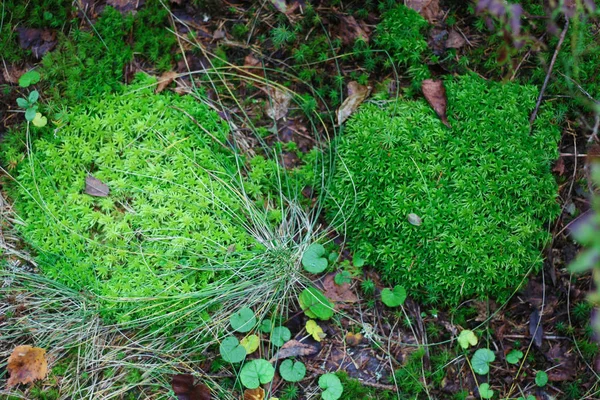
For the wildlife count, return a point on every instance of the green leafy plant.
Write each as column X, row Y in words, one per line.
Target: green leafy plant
column 481, row 361
column 243, row 320
column 367, row 286
column 332, row 387
column 256, row 372
column 29, row 105
column 29, row 78
column 231, row 350
column 342, row 278
column 467, row 338
column 541, row 378
column 393, row 297
column 314, row 304
column 292, row 371
column 485, row 392
column 514, row 356
column 280, row 335
column 314, row 259
column 478, row 187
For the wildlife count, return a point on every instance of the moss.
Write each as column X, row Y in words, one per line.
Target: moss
column 483, row 190
column 167, row 214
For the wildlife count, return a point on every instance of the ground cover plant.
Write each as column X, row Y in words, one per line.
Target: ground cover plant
column 164, row 236
column 482, row 190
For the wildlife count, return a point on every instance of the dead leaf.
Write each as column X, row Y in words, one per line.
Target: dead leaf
column 357, row 93
column 338, row 293
column 435, row 94
column 26, row 364
column 254, row 394
column 350, row 30
column 125, row 6
column 277, row 108
column 184, row 388
column 535, row 327
column 559, row 166
column 293, row 348
column 253, row 65
column 39, row 41
column 165, row 80
column 429, row 9
column 95, row 187
column 283, row 7
column 455, row 40
column 353, row 339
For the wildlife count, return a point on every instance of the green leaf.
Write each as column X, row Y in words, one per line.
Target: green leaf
column 29, row 78
column 467, row 338
column 514, row 356
column 315, row 304
column 481, row 361
column 39, row 120
column 313, row 259
column 243, row 320
column 333, row 256
column 23, row 103
column 256, row 373
column 30, row 113
column 250, row 343
column 393, row 298
column 280, row 335
column 541, row 378
column 292, row 371
column 358, row 260
column 332, row 387
column 265, row 325
column 342, row 277
column 585, row 261
column 33, row 96
column 231, row 350
column 485, row 392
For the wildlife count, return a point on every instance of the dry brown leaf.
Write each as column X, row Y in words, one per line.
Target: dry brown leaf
column 26, row 364
column 455, row 40
column 353, row 339
column 338, row 293
column 357, row 93
column 283, row 7
column 295, row 348
column 435, row 94
column 165, row 80
column 277, row 107
column 95, row 187
column 253, row 65
column 429, row 9
column 254, row 394
column 350, row 30
column 125, row 6
column 184, row 388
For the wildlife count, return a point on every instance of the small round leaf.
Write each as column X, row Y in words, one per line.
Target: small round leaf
column 250, row 343
column 393, row 298
column 332, row 387
column 29, row 78
column 414, row 219
column 481, row 361
column 315, row 304
column 280, row 335
column 243, row 320
column 292, row 371
column 231, row 350
column 265, row 326
column 342, row 278
column 30, row 113
column 485, row 392
column 314, row 260
column 39, row 120
column 541, row 378
column 256, row 373
column 466, row 338
column 514, row 356
column 358, row 260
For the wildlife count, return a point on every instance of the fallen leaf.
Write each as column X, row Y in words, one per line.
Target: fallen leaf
column 350, row 30
column 357, row 93
column 253, row 65
column 353, row 339
column 559, row 166
column 293, row 348
column 165, row 80
column 455, row 40
column 535, row 327
column 277, row 107
column 338, row 293
column 40, row 121
column 435, row 94
column 250, row 343
column 429, row 9
column 283, row 7
column 125, row 6
column 254, row 394
column 184, row 388
column 315, row 330
column 95, row 187
column 39, row 41
column 414, row 219
column 26, row 364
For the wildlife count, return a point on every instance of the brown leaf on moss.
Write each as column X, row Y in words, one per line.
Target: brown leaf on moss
column 184, row 388
column 95, row 187
column 254, row 394
column 429, row 9
column 252, row 65
column 351, row 30
column 165, row 80
column 279, row 102
column 455, row 40
column 435, row 94
column 26, row 364
column 357, row 93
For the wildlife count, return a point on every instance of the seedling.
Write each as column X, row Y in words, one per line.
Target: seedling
column 485, row 392
column 332, row 387
column 243, row 321
column 342, row 278
column 29, row 78
column 393, row 298
column 256, row 373
column 541, row 378
column 481, row 361
column 514, row 356
column 292, row 371
column 29, row 105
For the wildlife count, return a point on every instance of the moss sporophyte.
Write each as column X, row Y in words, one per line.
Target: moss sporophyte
column 482, row 190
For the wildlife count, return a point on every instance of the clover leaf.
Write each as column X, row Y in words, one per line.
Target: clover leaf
column 29, row 78
column 231, row 350
column 256, row 373
column 393, row 298
column 292, row 371
column 313, row 259
column 481, row 361
column 280, row 335
column 541, row 378
column 485, row 392
column 332, row 387
column 315, row 304
column 514, row 356
column 243, row 320
column 466, row 338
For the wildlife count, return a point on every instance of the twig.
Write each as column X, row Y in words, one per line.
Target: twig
column 558, row 46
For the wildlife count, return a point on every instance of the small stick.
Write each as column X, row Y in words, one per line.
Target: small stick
column 558, row 46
